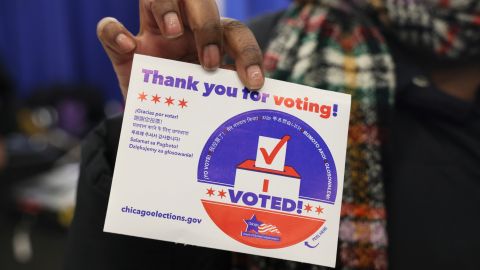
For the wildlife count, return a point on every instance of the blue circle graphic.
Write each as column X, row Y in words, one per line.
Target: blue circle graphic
column 237, row 139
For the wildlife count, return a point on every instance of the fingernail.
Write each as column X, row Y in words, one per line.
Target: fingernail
column 255, row 77
column 172, row 25
column 125, row 42
column 211, row 57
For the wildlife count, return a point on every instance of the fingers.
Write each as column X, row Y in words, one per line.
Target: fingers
column 168, row 18
column 120, row 45
column 242, row 46
column 115, row 38
column 166, row 14
column 204, row 21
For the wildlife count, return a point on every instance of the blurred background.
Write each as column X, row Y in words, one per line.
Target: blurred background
column 56, row 84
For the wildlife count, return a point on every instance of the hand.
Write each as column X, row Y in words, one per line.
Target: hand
column 184, row 30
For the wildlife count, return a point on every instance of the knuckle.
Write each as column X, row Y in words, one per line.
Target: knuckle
column 251, row 54
column 161, row 7
column 156, row 7
column 209, row 26
column 231, row 24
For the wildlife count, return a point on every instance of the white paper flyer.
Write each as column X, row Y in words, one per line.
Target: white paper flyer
column 206, row 162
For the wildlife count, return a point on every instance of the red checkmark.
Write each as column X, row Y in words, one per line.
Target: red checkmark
column 270, row 157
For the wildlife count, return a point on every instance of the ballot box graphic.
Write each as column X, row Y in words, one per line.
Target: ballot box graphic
column 260, row 177
column 264, row 177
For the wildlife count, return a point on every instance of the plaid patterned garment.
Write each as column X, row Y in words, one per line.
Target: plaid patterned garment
column 333, row 45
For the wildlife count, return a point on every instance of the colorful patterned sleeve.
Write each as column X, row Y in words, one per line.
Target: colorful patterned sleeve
column 442, row 28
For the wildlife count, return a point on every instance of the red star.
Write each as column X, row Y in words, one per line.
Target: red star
column 142, row 96
column 169, row 101
column 156, row 99
column 222, row 193
column 308, row 208
column 210, row 192
column 319, row 210
column 182, row 103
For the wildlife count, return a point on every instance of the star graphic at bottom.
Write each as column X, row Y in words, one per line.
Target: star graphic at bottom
column 318, row 210
column 252, row 224
column 308, row 208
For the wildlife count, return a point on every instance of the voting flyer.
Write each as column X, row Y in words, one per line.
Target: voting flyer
column 204, row 161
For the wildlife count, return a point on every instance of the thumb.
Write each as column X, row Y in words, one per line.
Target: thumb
column 120, row 45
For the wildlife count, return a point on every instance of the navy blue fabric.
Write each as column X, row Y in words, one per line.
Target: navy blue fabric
column 54, row 41
column 245, row 10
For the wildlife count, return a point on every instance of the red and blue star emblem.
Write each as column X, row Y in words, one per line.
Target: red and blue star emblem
column 252, row 224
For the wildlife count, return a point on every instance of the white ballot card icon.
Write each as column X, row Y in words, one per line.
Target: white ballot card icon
column 271, row 153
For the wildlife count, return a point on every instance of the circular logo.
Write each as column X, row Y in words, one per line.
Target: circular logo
column 267, row 179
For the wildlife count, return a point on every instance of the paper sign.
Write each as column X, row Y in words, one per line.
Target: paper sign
column 204, row 161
